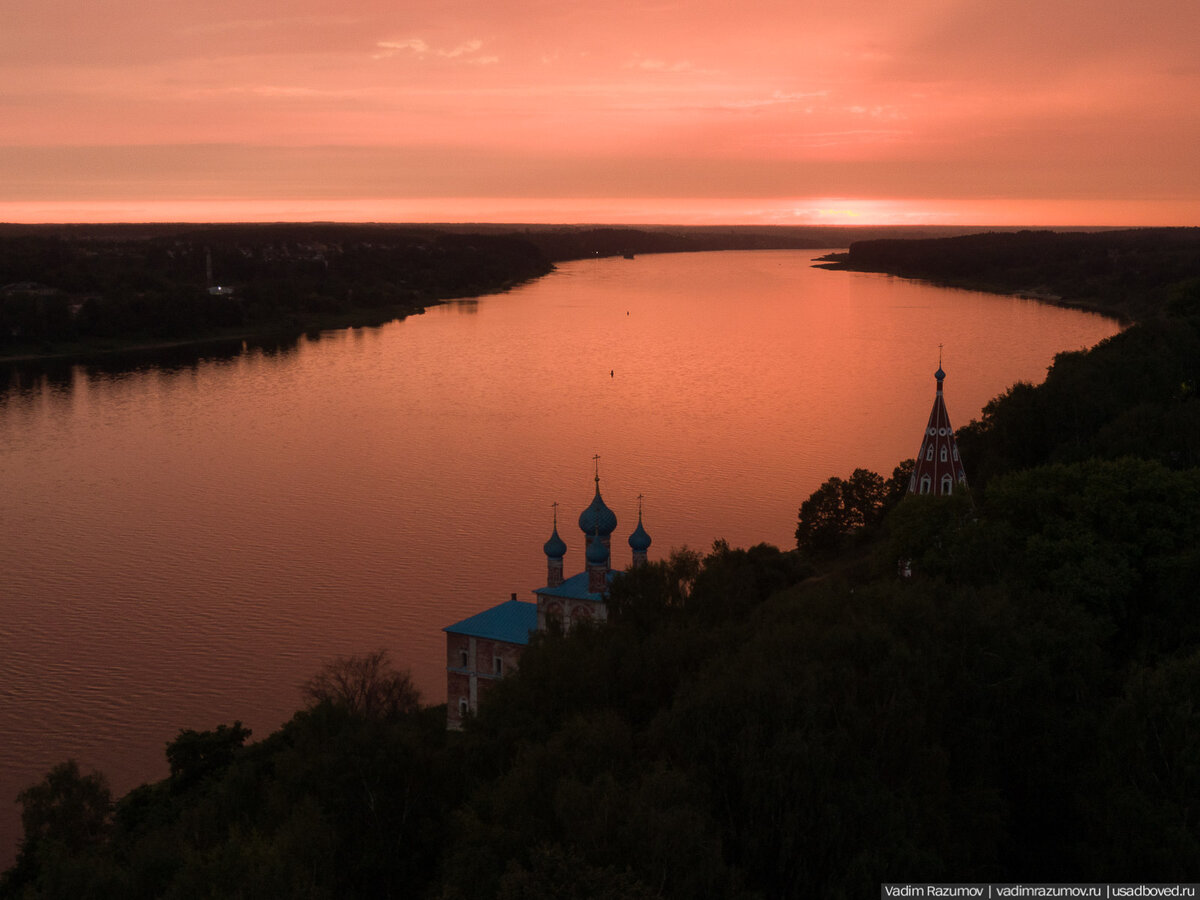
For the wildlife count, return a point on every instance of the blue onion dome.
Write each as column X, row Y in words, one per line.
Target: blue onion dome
column 597, row 553
column 939, row 374
column 639, row 541
column 598, row 518
column 555, row 547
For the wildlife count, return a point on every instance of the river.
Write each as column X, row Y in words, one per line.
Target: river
column 186, row 537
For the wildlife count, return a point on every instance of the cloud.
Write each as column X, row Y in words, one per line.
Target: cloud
column 659, row 65
column 775, row 99
column 464, row 52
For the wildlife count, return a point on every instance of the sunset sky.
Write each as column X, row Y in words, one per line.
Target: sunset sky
column 1037, row 112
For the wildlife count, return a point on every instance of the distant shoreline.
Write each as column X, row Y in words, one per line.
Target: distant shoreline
column 82, row 351
column 984, row 287
column 373, row 317
column 1128, row 275
column 101, row 294
column 554, row 244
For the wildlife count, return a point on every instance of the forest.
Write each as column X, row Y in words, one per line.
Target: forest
column 67, row 290
column 1125, row 273
column 763, row 722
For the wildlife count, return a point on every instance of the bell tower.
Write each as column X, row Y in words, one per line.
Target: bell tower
column 938, row 469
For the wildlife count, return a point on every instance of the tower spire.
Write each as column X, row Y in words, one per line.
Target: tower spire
column 938, row 469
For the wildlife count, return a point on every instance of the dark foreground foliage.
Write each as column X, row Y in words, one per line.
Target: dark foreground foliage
column 760, row 723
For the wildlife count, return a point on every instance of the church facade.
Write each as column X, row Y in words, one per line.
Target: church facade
column 485, row 647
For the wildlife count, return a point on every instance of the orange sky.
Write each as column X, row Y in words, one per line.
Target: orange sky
column 1039, row 112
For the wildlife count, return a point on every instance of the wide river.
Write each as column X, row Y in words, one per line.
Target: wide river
column 185, row 539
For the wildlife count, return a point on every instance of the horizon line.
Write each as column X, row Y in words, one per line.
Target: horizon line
column 461, row 223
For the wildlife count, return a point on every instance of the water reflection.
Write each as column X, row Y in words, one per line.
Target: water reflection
column 20, row 378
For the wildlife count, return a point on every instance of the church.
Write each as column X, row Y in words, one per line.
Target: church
column 485, row 647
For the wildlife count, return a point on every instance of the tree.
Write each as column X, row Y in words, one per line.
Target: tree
column 66, row 817
column 841, row 508
column 649, row 593
column 364, row 685
column 196, row 754
column 66, row 806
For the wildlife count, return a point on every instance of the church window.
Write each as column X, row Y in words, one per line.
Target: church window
column 462, row 659
column 464, row 707
column 925, row 484
column 943, row 454
column 929, row 452
column 499, row 665
column 956, row 454
column 947, row 484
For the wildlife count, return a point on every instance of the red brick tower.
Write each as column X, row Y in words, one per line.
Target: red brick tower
column 938, row 469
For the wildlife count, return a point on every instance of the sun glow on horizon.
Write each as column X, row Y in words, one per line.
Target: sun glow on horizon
column 617, row 211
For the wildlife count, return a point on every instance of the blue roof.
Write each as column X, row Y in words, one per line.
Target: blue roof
column 598, row 518
column 556, row 546
column 511, row 621
column 639, row 540
column 576, row 587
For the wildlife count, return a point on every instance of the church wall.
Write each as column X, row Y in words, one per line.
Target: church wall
column 486, row 653
column 472, row 681
column 458, row 687
column 459, row 676
column 456, row 645
column 568, row 611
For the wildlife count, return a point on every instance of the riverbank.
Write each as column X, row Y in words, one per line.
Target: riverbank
column 1039, row 295
column 108, row 347
column 1131, row 275
column 99, row 295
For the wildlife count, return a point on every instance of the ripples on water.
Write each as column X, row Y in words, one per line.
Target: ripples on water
column 183, row 541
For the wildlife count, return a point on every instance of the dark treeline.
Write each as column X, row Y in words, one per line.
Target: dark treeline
column 564, row 243
column 760, row 722
column 1127, row 273
column 59, row 286
column 70, row 289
